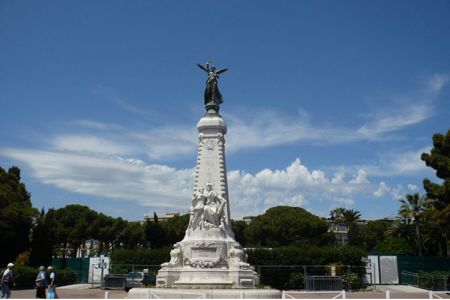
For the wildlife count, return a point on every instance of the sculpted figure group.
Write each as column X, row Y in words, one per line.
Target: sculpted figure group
column 207, row 209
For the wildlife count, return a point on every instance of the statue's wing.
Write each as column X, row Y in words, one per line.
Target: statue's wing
column 221, row 71
column 203, row 68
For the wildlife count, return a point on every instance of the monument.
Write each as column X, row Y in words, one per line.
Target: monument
column 208, row 258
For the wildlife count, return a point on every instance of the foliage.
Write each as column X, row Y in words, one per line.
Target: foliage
column 373, row 233
column 439, row 160
column 238, row 228
column 347, row 255
column 175, row 228
column 140, row 256
column 352, row 281
column 41, row 244
column 25, row 277
column 412, row 208
column 16, row 215
column 285, row 225
column 349, row 218
column 155, row 234
column 395, row 245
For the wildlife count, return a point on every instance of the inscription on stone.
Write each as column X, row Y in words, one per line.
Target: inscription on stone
column 204, row 252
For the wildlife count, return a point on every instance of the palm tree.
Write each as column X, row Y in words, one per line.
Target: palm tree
column 412, row 209
column 337, row 214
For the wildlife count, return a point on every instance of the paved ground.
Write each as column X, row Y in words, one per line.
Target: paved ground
column 85, row 291
column 73, row 293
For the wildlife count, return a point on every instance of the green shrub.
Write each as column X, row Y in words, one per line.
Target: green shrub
column 140, row 256
column 25, row 277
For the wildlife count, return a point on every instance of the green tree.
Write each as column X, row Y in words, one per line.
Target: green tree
column 16, row 215
column 41, row 243
column 71, row 226
column 284, row 226
column 154, row 233
column 132, row 235
column 349, row 218
column 238, row 227
column 412, row 209
column 175, row 228
column 439, row 160
column 373, row 233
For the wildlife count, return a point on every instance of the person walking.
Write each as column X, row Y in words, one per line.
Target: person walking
column 41, row 283
column 7, row 281
column 51, row 293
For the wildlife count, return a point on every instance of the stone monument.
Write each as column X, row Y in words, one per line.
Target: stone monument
column 209, row 256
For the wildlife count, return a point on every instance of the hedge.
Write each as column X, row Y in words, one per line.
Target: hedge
column 25, row 277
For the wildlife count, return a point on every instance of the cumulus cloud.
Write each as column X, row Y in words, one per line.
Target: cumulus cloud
column 157, row 185
column 382, row 190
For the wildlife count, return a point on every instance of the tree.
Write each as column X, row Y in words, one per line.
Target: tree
column 175, row 228
column 154, row 233
column 412, row 209
column 41, row 243
column 349, row 218
column 16, row 215
column 373, row 233
column 439, row 159
column 285, row 225
column 238, row 227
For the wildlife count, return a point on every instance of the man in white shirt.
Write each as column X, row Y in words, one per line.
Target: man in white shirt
column 7, row 281
column 52, row 281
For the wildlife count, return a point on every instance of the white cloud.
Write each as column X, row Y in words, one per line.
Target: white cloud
column 111, row 177
column 90, row 143
column 413, row 188
column 162, row 186
column 382, row 190
column 395, row 118
column 436, row 82
column 398, row 162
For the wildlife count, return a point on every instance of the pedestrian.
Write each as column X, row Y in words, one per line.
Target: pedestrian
column 7, row 281
column 41, row 283
column 51, row 293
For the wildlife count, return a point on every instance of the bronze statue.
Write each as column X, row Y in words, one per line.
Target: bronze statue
column 212, row 93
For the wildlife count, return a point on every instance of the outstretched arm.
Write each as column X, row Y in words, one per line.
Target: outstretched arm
column 203, row 68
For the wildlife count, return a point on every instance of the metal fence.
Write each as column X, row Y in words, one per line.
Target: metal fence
column 323, row 283
column 284, row 277
column 426, row 281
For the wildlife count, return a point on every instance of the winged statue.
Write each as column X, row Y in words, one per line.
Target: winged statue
column 212, row 93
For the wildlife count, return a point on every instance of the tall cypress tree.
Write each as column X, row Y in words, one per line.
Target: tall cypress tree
column 439, row 159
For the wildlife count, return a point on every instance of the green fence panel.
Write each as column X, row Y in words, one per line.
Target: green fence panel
column 423, row 263
column 79, row 265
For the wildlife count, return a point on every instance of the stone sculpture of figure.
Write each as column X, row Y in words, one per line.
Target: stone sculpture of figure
column 237, row 257
column 214, row 207
column 198, row 204
column 212, row 93
column 175, row 257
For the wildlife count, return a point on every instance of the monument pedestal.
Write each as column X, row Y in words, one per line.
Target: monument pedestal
column 167, row 293
column 209, row 256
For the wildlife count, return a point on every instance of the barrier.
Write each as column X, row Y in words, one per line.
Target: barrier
column 323, row 283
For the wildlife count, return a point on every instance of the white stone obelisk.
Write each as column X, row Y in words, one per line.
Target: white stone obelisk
column 209, row 256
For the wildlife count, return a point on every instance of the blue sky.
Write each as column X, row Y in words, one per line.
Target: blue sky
column 328, row 103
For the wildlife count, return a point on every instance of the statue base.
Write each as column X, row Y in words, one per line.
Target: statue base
column 167, row 293
column 207, row 259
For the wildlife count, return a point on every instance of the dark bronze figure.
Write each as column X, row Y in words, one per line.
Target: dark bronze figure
column 212, row 94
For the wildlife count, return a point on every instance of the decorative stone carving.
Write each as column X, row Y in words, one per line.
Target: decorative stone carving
column 175, row 257
column 238, row 258
column 207, row 210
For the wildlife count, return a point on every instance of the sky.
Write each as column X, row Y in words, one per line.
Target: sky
column 327, row 103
